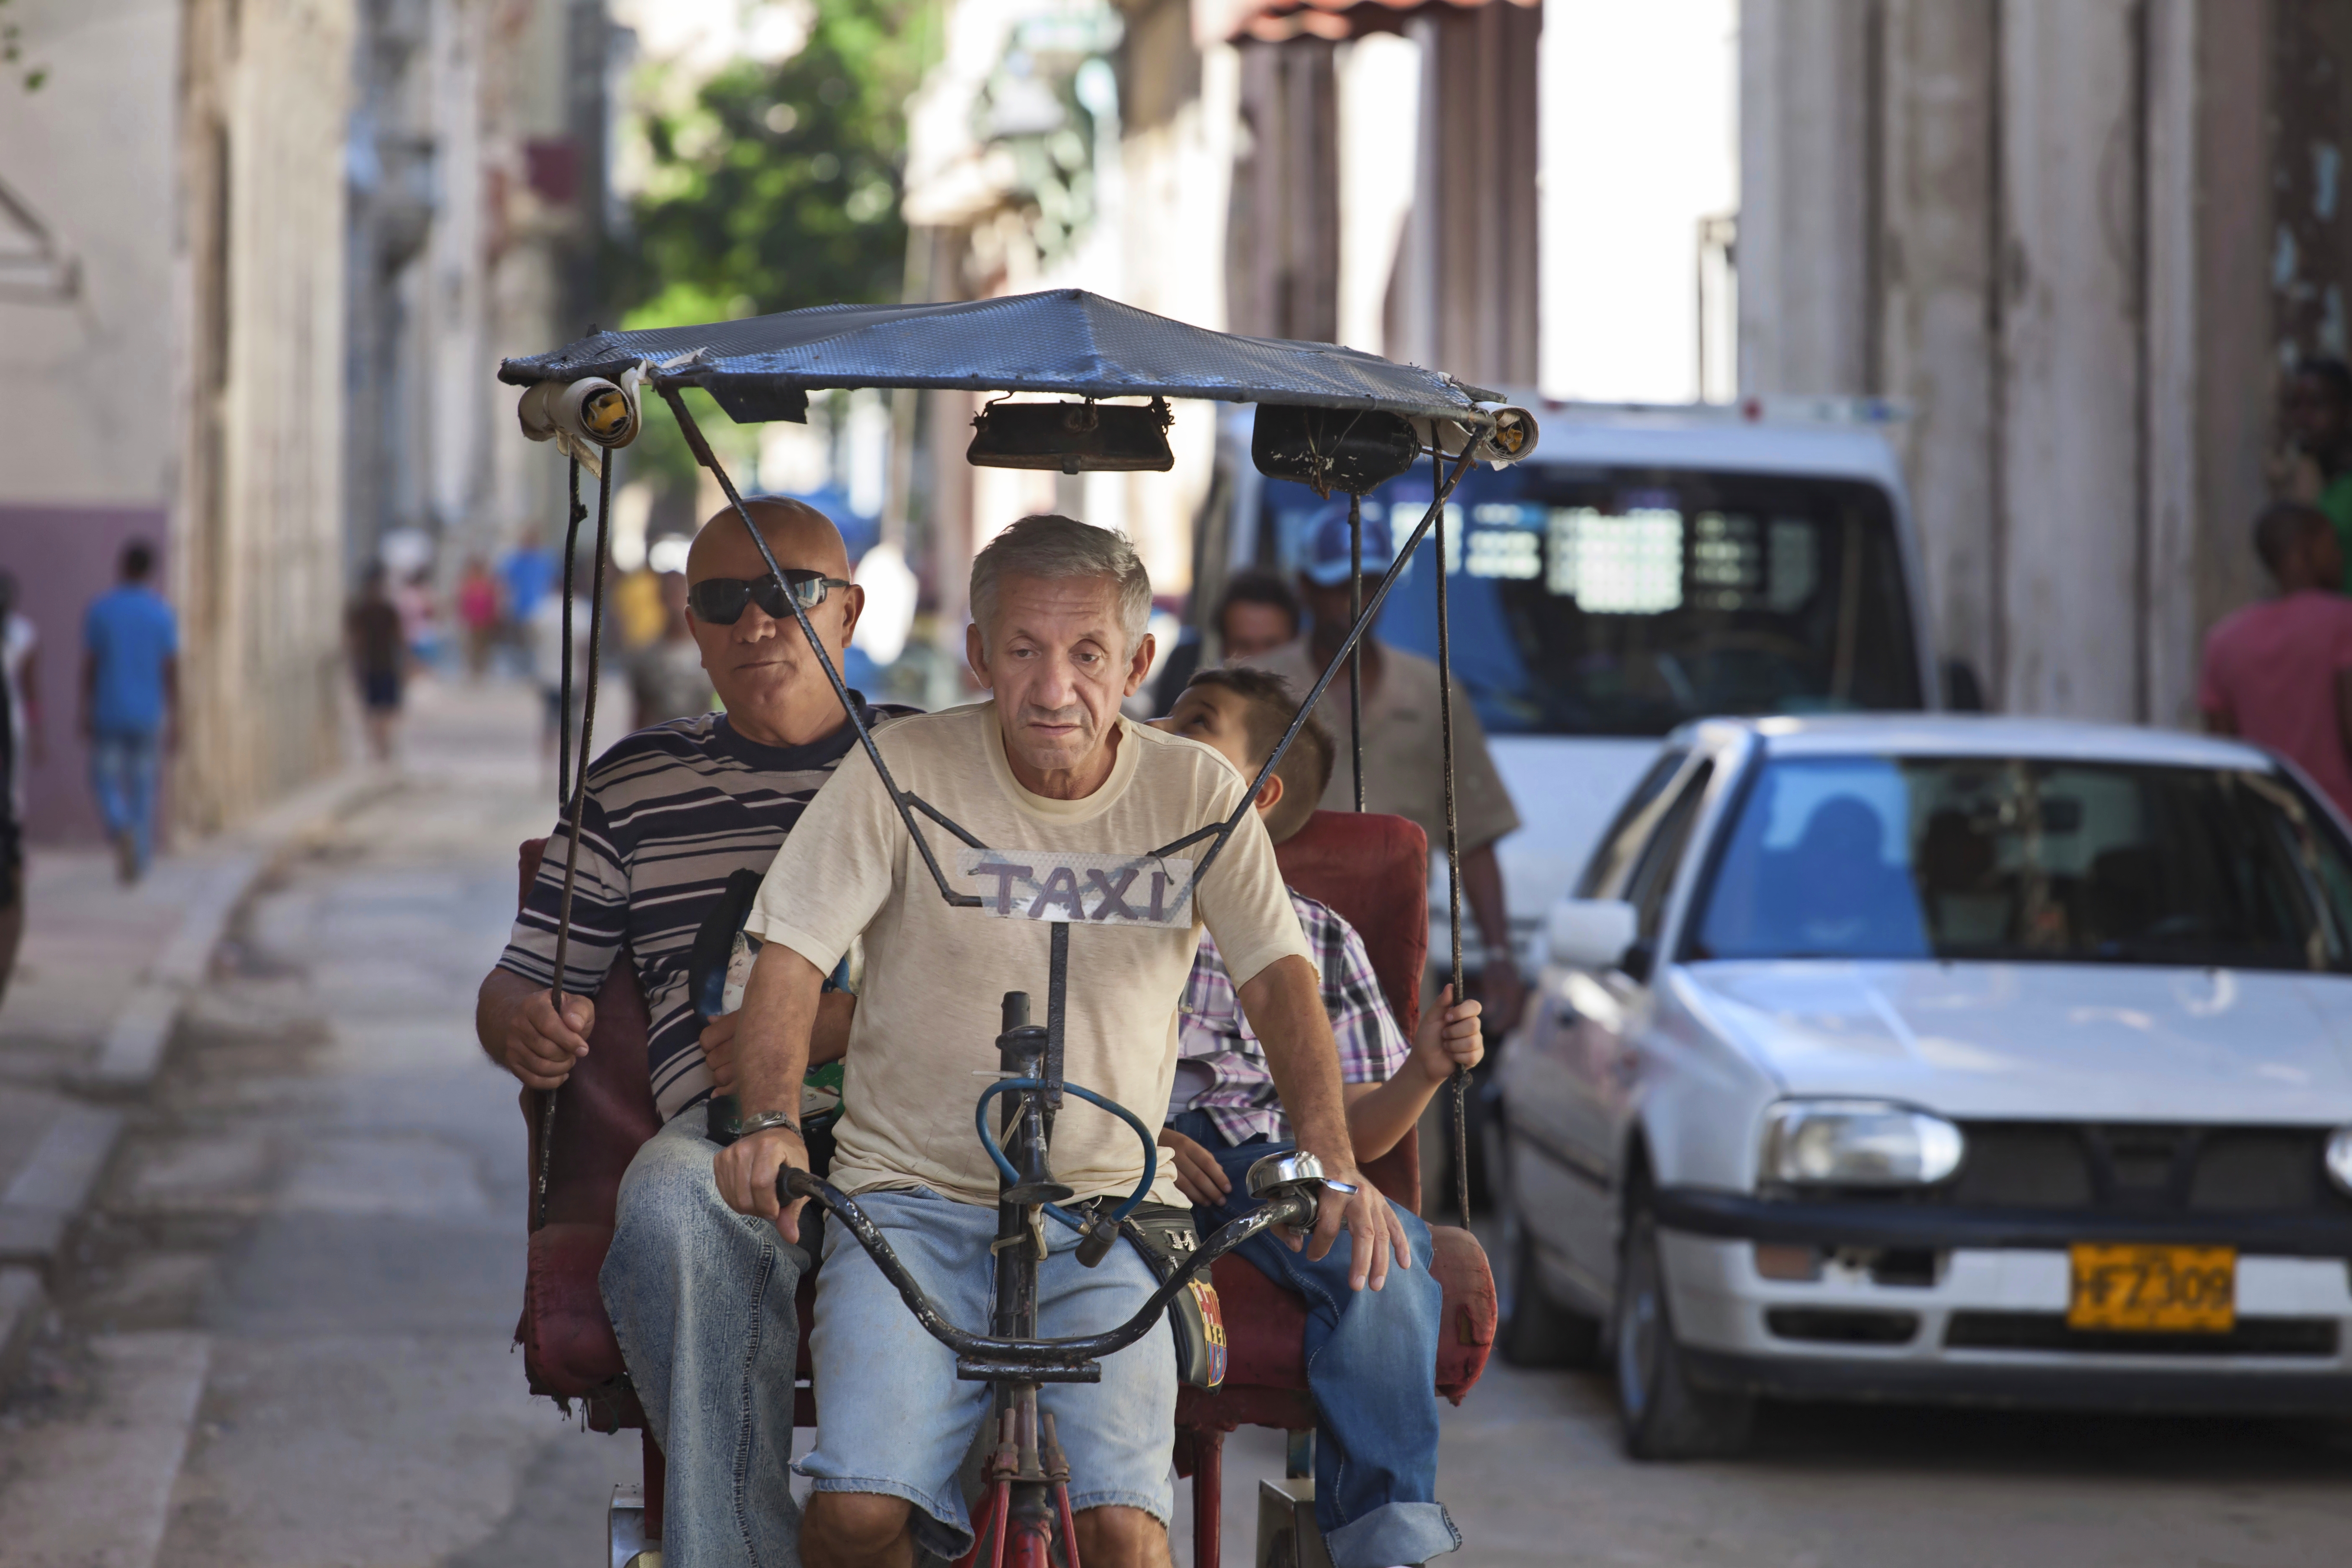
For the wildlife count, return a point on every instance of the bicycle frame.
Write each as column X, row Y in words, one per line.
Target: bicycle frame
column 1028, row 1501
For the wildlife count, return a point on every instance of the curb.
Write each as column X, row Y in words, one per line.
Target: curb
column 38, row 1207
column 41, row 1205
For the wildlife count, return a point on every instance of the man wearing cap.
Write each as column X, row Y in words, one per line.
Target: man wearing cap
column 1403, row 769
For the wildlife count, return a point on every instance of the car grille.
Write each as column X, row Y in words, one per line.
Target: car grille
column 2142, row 1169
column 2048, row 1332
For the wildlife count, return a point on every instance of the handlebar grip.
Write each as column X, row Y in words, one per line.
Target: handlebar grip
column 1294, row 1208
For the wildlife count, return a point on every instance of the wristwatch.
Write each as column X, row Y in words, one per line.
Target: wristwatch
column 760, row 1122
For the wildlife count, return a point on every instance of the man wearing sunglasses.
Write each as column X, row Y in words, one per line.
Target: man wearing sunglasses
column 671, row 812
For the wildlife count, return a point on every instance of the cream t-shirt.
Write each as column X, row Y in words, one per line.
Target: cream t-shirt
column 923, row 1042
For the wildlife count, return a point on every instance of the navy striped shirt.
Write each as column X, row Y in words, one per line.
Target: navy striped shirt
column 671, row 812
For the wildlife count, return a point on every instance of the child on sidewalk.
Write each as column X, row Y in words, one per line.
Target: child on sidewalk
column 1369, row 1353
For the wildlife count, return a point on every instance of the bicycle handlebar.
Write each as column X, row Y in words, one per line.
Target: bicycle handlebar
column 1294, row 1208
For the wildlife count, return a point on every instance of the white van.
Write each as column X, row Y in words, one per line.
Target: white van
column 1647, row 566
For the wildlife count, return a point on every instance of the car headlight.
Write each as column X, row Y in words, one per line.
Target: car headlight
column 1870, row 1143
column 2339, row 1158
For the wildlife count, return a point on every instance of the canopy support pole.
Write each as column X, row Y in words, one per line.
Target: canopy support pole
column 1356, row 658
column 1223, row 832
column 906, row 804
column 578, row 781
column 573, row 517
column 1461, row 1078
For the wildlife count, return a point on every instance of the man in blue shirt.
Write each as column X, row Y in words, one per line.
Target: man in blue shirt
column 130, row 687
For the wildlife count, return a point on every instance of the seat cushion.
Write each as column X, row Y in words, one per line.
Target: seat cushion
column 568, row 1346
column 1266, row 1328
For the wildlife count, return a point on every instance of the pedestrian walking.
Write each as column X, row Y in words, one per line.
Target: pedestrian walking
column 375, row 634
column 667, row 674
column 2279, row 672
column 478, row 614
column 20, row 672
column 129, row 695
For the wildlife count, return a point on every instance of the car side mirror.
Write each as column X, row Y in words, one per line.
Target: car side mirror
column 1593, row 933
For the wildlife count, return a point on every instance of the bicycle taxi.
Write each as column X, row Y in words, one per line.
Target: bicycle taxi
column 1335, row 418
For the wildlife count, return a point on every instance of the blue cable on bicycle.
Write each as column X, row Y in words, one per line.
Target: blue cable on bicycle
column 996, row 1150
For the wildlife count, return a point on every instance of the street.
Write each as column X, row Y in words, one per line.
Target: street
column 283, row 1338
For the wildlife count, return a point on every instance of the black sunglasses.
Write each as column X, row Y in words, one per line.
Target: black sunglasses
column 720, row 600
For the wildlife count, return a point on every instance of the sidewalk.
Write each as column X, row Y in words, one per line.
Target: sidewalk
column 99, row 986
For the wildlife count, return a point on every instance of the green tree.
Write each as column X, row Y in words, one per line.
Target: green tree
column 779, row 186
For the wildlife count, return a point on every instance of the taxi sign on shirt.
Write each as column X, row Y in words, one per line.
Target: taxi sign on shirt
column 1079, row 888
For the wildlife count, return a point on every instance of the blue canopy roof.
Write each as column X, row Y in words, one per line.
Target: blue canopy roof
column 1064, row 341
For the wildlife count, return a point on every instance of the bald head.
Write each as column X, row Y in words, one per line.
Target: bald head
column 798, row 534
column 774, row 689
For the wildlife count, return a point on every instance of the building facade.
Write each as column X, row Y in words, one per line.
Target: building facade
column 2081, row 243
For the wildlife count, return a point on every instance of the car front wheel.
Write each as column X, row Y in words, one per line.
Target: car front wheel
column 1665, row 1416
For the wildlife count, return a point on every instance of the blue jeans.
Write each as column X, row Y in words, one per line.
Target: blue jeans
column 1371, row 1363
column 123, row 766
column 701, row 1299
column 893, row 1419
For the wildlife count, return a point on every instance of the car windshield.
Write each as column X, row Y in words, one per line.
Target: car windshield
column 1592, row 601
column 2012, row 859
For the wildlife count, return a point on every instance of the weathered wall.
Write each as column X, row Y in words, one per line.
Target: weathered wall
column 88, row 449
column 2052, row 249
column 259, row 575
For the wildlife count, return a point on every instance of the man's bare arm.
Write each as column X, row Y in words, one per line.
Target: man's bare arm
column 1284, row 1004
column 772, row 1046
column 828, row 1042
column 515, row 1020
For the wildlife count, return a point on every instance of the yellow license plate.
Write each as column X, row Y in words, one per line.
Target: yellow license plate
column 2154, row 1289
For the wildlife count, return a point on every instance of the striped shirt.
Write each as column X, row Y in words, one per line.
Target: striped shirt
column 1222, row 1068
column 671, row 811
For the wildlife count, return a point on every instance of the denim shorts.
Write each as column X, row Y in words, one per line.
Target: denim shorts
column 894, row 1420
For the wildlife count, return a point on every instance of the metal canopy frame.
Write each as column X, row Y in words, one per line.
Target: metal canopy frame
column 779, row 359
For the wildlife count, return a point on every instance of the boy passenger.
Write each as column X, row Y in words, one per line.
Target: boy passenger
column 1376, row 1456
column 1047, row 766
column 671, row 811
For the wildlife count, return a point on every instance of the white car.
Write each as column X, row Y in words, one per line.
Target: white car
column 1991, row 1060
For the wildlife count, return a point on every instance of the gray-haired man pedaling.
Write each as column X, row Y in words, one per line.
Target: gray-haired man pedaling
column 1047, row 766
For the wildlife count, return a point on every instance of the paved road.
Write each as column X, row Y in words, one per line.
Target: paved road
column 287, row 1342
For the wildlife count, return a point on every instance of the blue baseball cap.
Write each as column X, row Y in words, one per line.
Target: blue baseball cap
column 1324, row 555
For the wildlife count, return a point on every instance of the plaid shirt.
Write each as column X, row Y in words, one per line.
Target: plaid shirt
column 1211, row 1034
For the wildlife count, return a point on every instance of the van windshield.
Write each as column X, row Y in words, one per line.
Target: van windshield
column 1604, row 602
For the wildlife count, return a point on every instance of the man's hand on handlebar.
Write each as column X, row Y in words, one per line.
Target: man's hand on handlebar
column 1374, row 1235
column 746, row 1170
column 540, row 1048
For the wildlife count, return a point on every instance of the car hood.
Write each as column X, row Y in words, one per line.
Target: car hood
column 2036, row 1041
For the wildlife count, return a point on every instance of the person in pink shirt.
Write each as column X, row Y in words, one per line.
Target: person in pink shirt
column 2279, row 673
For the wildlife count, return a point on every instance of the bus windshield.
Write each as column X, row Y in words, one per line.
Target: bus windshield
column 1611, row 601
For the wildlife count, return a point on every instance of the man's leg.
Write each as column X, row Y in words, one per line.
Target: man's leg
column 701, row 1299
column 107, row 788
column 1371, row 1358
column 1119, row 1434
column 143, row 755
column 896, row 1420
